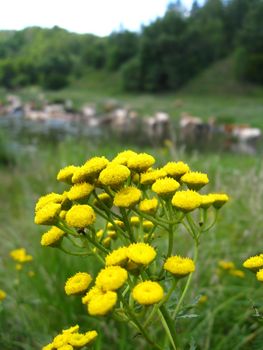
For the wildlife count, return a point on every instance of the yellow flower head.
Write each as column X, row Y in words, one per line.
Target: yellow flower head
column 147, row 225
column 112, row 234
column 65, row 174
column 117, row 257
column 148, row 293
column 237, row 273
column 80, row 216
column 66, row 347
column 111, row 278
column 2, row 295
column 141, row 253
column 165, row 187
column 140, row 162
column 62, row 214
column 48, row 215
column 207, row 200
column 219, row 199
column 107, row 241
column 48, row 347
column 135, row 221
column 93, row 292
column 90, row 170
column 148, row 206
column 52, row 237
column 260, row 275
column 104, row 198
column 226, row 265
column 48, row 198
column 61, row 340
column 127, row 197
column 20, row 255
column 114, row 175
column 78, row 283
column 178, row 266
column 186, row 200
column 79, row 340
column 151, row 176
column 176, row 169
column 79, row 191
column 119, row 223
column 195, row 180
column 123, row 157
column 102, row 304
column 254, row 263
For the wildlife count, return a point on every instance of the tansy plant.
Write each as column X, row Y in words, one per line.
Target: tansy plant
column 118, row 210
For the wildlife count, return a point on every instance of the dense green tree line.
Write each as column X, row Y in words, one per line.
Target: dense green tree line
column 163, row 56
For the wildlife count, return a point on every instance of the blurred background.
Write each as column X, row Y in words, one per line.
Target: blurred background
column 182, row 80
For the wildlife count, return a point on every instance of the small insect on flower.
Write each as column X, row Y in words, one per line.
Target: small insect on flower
column 148, row 293
column 78, row 283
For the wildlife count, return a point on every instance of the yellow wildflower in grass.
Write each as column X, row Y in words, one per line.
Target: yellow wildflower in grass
column 61, row 340
column 119, row 223
column 48, row 215
column 80, row 216
column 176, row 169
column 148, row 206
column 260, row 275
column 20, row 255
column 52, row 237
column 140, row 162
column 123, row 157
column 141, row 253
column 135, row 220
column 66, row 347
column 165, row 187
column 31, row 273
column 2, row 294
column 147, row 225
column 94, row 291
column 48, row 347
column 195, row 180
column 219, row 199
column 151, row 176
column 127, row 197
column 117, row 257
column 78, row 283
column 114, row 175
column 111, row 278
column 48, row 198
column 65, row 174
column 148, row 293
column 179, row 266
column 254, row 263
column 80, row 190
column 186, row 200
column 226, row 265
column 237, row 273
column 18, row 267
column 202, row 299
column 79, row 340
column 102, row 304
column 105, row 198
column 207, row 200
column 72, row 329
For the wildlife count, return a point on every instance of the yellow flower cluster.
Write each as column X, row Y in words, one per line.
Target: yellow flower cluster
column 71, row 339
column 2, row 295
column 230, row 268
column 20, row 255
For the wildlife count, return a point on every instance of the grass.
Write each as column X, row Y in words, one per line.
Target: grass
column 225, row 321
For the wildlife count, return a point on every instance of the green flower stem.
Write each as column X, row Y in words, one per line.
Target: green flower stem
column 168, row 325
column 63, row 226
column 73, row 242
column 138, row 324
column 213, row 222
column 74, row 253
column 150, row 218
column 127, row 224
column 104, row 206
column 177, row 309
column 97, row 245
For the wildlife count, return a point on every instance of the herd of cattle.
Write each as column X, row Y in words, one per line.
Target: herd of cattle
column 188, row 130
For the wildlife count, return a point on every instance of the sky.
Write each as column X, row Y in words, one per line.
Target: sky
column 100, row 17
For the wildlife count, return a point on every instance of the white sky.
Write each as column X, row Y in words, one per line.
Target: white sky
column 100, row 17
